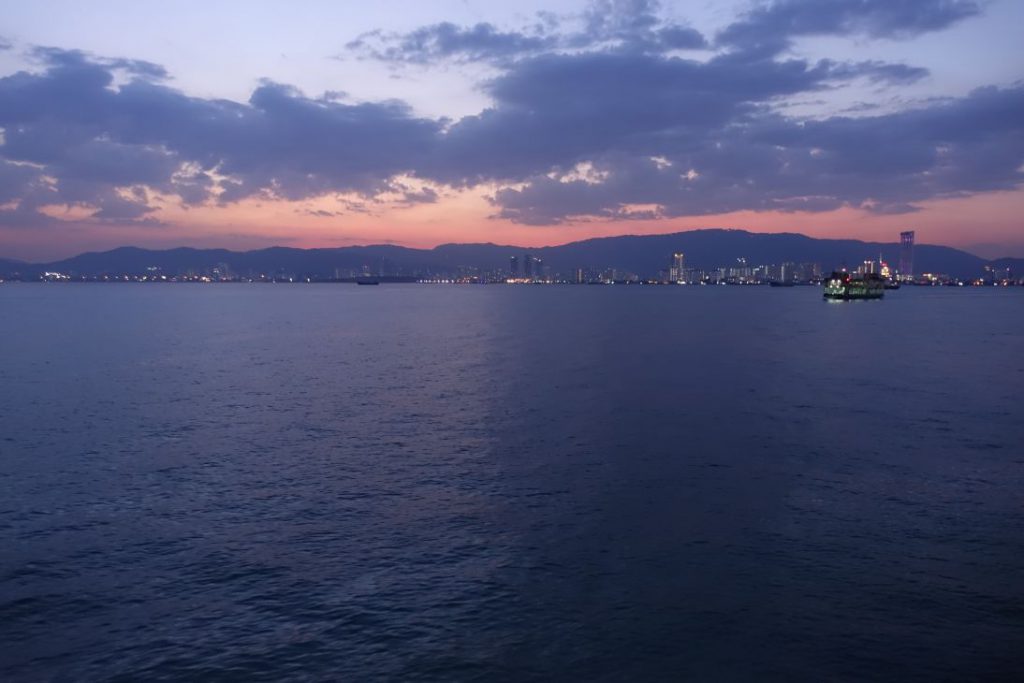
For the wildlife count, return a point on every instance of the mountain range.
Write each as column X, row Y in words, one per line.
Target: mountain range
column 640, row 254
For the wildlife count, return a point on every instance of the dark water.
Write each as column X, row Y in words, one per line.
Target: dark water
column 564, row 483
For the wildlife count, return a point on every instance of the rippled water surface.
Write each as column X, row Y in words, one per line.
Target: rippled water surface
column 489, row 482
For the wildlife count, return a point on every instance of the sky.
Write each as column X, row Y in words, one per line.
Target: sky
column 312, row 124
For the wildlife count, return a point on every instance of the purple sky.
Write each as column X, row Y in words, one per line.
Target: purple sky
column 323, row 123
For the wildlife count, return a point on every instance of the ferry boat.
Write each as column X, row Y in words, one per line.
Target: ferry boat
column 846, row 287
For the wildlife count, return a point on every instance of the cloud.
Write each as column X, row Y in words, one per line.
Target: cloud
column 59, row 57
column 615, row 130
column 16, row 180
column 633, row 25
column 770, row 26
column 115, row 208
column 95, row 140
column 21, row 218
column 625, row 25
column 557, row 110
column 481, row 42
column 882, row 164
column 881, row 72
column 636, row 26
column 427, row 195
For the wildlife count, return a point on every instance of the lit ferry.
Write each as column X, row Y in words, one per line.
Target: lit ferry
column 846, row 287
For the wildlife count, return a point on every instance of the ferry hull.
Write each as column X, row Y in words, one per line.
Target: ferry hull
column 843, row 287
column 854, row 296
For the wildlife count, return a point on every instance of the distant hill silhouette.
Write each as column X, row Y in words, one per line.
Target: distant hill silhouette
column 640, row 254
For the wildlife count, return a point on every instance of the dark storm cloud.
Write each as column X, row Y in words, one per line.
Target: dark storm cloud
column 618, row 126
column 770, row 26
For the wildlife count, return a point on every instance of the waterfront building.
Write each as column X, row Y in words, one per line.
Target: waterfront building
column 678, row 268
column 907, row 255
column 868, row 268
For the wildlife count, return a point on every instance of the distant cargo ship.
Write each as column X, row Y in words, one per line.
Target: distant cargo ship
column 846, row 287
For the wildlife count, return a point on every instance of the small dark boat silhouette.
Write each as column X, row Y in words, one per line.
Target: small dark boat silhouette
column 367, row 281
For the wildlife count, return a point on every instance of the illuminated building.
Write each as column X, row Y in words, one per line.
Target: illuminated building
column 867, row 267
column 907, row 255
column 678, row 268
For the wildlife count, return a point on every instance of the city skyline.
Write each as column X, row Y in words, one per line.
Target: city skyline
column 461, row 122
column 733, row 256
column 569, row 340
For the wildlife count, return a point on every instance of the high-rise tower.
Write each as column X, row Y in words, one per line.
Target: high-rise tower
column 676, row 270
column 907, row 254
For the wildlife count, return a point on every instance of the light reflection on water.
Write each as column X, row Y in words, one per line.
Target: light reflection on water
column 497, row 482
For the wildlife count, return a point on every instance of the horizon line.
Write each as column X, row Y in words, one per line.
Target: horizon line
column 493, row 244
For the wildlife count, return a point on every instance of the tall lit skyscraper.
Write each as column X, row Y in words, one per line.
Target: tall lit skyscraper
column 513, row 267
column 678, row 267
column 907, row 254
column 527, row 266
